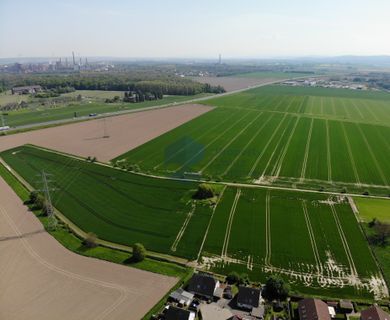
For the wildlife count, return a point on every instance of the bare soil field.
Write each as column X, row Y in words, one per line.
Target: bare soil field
column 234, row 83
column 40, row 279
column 110, row 137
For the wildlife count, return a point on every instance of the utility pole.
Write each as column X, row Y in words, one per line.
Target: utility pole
column 52, row 221
column 105, row 131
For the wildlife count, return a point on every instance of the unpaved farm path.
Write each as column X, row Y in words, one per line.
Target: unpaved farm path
column 125, row 132
column 40, row 279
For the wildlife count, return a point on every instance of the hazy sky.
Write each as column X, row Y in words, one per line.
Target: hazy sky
column 198, row 28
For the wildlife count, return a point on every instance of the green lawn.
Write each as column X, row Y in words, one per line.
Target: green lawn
column 373, row 208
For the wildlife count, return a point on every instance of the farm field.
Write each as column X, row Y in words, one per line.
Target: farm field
column 96, row 105
column 301, row 137
column 322, row 245
column 108, row 137
column 373, row 208
column 118, row 206
column 312, row 240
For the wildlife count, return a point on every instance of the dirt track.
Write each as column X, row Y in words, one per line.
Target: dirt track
column 40, row 279
column 125, row 132
column 234, row 83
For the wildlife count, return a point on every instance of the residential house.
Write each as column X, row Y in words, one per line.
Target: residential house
column 313, row 309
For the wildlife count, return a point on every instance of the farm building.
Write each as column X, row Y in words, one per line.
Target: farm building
column 203, row 285
column 173, row 313
column 248, row 298
column 26, row 90
column 374, row 313
column 313, row 309
column 181, row 296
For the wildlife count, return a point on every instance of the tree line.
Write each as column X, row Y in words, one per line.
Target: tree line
column 140, row 82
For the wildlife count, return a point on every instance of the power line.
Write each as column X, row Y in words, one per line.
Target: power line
column 52, row 221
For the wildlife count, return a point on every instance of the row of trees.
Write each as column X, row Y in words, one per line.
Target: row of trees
column 160, row 85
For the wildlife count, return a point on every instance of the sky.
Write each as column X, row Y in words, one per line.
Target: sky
column 194, row 29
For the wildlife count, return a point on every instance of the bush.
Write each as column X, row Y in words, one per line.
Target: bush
column 37, row 200
column 90, row 240
column 233, row 277
column 244, row 279
column 205, row 191
column 139, row 252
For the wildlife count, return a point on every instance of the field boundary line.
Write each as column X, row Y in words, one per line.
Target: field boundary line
column 230, row 142
column 212, row 141
column 278, row 167
column 229, row 224
column 225, row 183
column 344, row 240
column 183, row 227
column 210, row 220
column 305, row 158
column 266, row 146
column 313, row 242
column 346, row 109
column 276, row 147
column 247, row 145
column 268, row 246
column 378, row 167
column 328, row 154
column 350, row 153
column 193, row 141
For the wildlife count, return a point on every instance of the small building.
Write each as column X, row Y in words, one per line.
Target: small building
column 26, row 90
column 346, row 306
column 181, row 296
column 374, row 313
column 248, row 298
column 258, row 312
column 203, row 285
column 173, row 313
column 313, row 309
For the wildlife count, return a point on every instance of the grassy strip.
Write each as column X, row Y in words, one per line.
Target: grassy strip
column 70, row 241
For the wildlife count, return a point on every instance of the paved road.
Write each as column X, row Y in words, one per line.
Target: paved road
column 111, row 114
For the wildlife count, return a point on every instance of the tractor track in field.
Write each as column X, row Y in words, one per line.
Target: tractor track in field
column 274, row 151
column 208, row 226
column 246, row 146
column 313, row 242
column 307, row 148
column 380, row 171
column 211, row 142
column 344, row 241
column 351, row 158
column 183, row 227
column 230, row 142
column 198, row 138
column 266, row 147
column 267, row 259
column 285, row 149
column 224, row 252
column 328, row 153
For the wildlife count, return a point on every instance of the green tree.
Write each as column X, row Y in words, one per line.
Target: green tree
column 205, row 191
column 139, row 252
column 275, row 289
column 90, row 240
column 233, row 277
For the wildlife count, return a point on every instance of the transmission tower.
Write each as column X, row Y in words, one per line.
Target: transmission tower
column 52, row 221
column 105, row 131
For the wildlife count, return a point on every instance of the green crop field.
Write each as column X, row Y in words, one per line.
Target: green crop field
column 310, row 239
column 118, row 206
column 307, row 137
column 313, row 240
column 373, row 208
